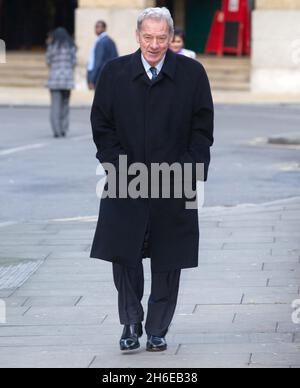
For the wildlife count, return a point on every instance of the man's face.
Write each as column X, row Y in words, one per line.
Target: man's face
column 154, row 40
column 99, row 29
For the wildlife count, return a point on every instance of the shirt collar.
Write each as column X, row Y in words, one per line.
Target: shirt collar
column 102, row 35
column 147, row 66
column 168, row 66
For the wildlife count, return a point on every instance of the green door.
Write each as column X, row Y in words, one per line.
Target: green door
column 199, row 17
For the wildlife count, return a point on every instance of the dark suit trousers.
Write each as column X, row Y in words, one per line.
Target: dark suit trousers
column 162, row 301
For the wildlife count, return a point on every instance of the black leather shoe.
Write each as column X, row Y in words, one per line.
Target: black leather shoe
column 130, row 337
column 156, row 344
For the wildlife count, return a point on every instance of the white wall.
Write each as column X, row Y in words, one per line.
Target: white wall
column 276, row 51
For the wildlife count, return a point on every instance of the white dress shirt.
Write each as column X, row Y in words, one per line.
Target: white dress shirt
column 91, row 62
column 147, row 66
column 188, row 53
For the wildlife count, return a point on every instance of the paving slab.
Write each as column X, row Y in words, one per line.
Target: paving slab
column 233, row 338
column 276, row 360
column 203, row 361
column 244, row 348
column 235, row 310
column 22, row 358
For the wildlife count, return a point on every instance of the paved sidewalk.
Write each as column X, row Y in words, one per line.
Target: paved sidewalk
column 234, row 310
column 12, row 96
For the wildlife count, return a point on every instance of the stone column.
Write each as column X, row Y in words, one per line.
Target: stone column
column 276, row 46
column 179, row 11
column 121, row 17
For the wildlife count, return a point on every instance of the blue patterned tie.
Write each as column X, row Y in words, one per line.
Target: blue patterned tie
column 154, row 73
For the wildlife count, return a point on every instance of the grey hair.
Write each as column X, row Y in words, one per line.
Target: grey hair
column 158, row 14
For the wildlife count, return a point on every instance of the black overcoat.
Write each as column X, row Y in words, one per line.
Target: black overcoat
column 168, row 120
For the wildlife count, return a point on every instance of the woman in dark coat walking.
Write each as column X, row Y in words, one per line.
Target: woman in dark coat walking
column 152, row 107
column 61, row 59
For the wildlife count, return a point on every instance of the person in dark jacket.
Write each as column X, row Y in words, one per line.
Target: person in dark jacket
column 153, row 106
column 103, row 51
column 61, row 59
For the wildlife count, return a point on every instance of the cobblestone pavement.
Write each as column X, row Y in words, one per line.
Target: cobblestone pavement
column 235, row 310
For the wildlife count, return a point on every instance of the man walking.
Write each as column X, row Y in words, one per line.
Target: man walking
column 151, row 107
column 103, row 51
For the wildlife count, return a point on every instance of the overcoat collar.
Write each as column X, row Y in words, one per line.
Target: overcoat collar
column 169, row 67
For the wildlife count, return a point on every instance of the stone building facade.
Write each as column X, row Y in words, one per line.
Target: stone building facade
column 275, row 36
column 276, row 46
column 120, row 15
column 275, row 58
